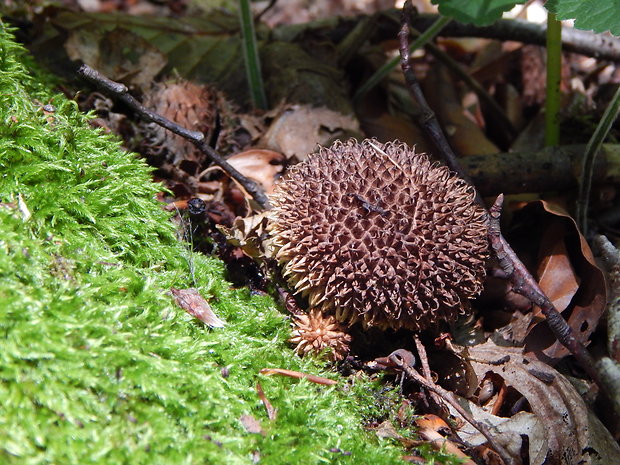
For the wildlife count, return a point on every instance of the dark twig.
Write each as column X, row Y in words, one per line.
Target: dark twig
column 573, row 40
column 522, row 280
column 426, row 369
column 523, row 283
column 258, row 17
column 120, row 92
column 399, row 361
column 427, row 118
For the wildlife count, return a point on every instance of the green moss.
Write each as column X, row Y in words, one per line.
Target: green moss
column 97, row 364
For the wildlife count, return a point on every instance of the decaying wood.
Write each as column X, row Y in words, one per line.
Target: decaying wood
column 551, row 168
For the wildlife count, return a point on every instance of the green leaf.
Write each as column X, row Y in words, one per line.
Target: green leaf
column 596, row 15
column 479, row 12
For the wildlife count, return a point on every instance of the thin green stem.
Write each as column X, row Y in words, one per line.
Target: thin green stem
column 554, row 74
column 382, row 72
column 592, row 149
column 250, row 56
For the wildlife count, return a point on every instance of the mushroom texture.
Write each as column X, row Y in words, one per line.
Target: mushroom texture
column 378, row 233
column 315, row 332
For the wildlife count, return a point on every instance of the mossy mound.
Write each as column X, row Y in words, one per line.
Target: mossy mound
column 97, row 364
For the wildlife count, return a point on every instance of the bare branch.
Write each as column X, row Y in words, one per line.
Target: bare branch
column 120, row 92
column 399, row 361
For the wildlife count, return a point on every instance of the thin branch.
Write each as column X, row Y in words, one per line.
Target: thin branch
column 426, row 369
column 397, row 360
column 524, row 284
column 427, row 118
column 121, row 93
column 523, row 281
column 601, row 46
column 573, row 40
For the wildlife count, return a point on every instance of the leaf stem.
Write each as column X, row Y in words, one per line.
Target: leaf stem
column 554, row 71
column 250, row 56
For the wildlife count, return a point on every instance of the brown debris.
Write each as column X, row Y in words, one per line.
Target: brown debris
column 195, row 304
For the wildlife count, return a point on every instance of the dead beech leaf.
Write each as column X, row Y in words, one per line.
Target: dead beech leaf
column 260, row 165
column 251, row 424
column 193, row 303
column 558, row 425
column 386, row 430
column 439, row 442
column 298, row 375
column 250, row 234
column 556, row 275
column 297, row 129
column 587, row 302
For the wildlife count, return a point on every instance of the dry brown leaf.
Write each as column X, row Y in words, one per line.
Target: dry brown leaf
column 193, row 303
column 386, row 430
column 261, row 165
column 464, row 134
column 250, row 235
column 298, row 375
column 556, row 276
column 587, row 303
column 439, row 442
column 119, row 54
column 297, row 129
column 559, row 428
column 251, row 424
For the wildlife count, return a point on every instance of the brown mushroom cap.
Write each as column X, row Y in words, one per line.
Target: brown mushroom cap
column 378, row 233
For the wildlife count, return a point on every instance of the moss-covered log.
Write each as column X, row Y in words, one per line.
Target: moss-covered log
column 97, row 364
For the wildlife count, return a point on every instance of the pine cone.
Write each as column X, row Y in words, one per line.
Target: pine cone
column 377, row 233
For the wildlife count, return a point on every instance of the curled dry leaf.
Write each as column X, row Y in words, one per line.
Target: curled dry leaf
column 386, row 430
column 568, row 274
column 558, row 426
column 250, row 235
column 193, row 303
column 296, row 130
column 258, row 164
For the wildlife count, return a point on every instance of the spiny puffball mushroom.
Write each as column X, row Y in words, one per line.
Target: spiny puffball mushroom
column 314, row 332
column 378, row 233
